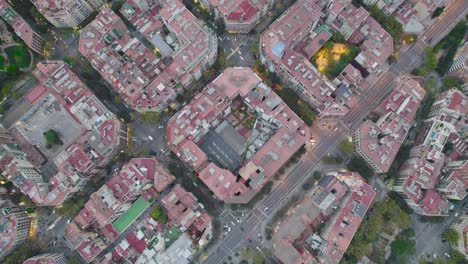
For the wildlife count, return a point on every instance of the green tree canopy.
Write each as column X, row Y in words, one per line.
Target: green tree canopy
column 151, row 118
column 430, row 60
column 52, row 138
column 430, row 84
column 346, row 145
column 451, row 82
column 159, row 215
column 451, row 235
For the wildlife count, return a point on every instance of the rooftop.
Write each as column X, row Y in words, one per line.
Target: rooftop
column 378, row 142
column 205, row 130
column 341, row 200
column 89, row 131
column 131, row 214
column 118, row 203
column 147, row 79
column 22, row 29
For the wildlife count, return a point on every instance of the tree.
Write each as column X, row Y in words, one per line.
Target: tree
column 389, row 23
column 456, row 257
column 157, row 213
column 12, row 70
column 254, row 49
column 421, row 71
column 73, row 206
column 451, row 235
column 52, row 138
column 346, row 145
column 409, row 233
column 450, row 44
column 258, row 258
column 21, row 253
column 430, row 84
column 448, row 148
column 403, row 246
column 70, row 61
column 359, row 165
column 311, row 180
column 451, row 82
column 438, row 11
column 337, row 37
column 158, row 54
column 73, row 260
column 150, row 118
column 332, row 160
column 430, row 61
column 400, row 201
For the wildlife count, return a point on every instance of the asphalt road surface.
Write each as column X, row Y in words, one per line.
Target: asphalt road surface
column 409, row 59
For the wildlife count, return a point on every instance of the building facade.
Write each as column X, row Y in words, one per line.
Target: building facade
column 239, row 16
column 67, row 13
column 378, row 142
column 47, row 258
column 22, row 29
column 14, row 227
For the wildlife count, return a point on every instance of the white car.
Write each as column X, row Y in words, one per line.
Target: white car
column 150, row 138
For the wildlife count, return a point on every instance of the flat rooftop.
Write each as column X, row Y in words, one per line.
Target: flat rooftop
column 220, row 152
column 231, row 136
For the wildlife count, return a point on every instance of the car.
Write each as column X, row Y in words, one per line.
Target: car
column 150, row 138
column 456, row 214
column 447, row 255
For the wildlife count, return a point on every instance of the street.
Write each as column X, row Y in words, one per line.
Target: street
column 428, row 235
column 409, row 59
column 246, row 227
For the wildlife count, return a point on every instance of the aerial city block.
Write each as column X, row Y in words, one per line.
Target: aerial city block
column 234, row 131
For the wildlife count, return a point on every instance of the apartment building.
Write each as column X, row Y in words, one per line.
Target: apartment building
column 378, row 142
column 22, row 29
column 14, row 226
column 67, row 13
column 239, row 16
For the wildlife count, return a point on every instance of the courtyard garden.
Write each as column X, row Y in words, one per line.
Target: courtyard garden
column 333, row 57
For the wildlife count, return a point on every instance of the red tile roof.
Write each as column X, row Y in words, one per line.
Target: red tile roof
column 340, row 201
column 379, row 142
column 188, row 126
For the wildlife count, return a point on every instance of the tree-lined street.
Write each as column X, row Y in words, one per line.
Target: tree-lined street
column 409, row 59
